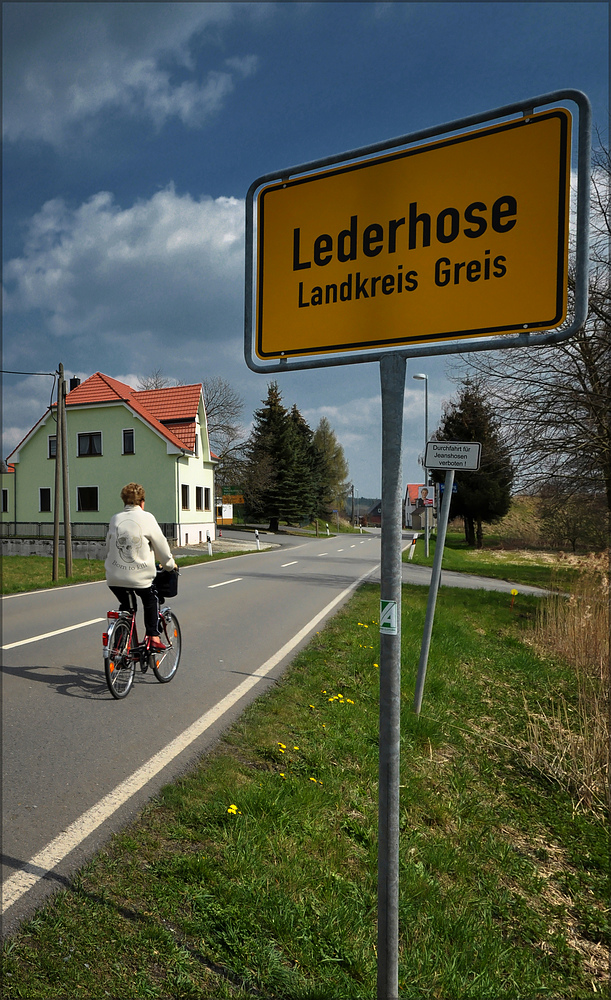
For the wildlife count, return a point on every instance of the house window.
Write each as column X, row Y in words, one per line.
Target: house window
column 90, row 444
column 206, row 498
column 87, row 498
column 44, row 499
column 196, row 441
column 128, row 442
column 199, row 498
column 5, row 501
column 52, row 449
column 184, row 490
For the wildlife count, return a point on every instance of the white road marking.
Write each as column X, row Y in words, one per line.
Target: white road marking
column 18, row 884
column 340, row 550
column 51, row 590
column 322, row 554
column 224, row 583
column 293, row 563
column 47, row 635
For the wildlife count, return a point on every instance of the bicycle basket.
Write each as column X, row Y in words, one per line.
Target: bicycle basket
column 166, row 582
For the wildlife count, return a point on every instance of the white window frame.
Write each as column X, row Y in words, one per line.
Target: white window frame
column 81, row 434
column 51, row 437
column 128, row 430
column 49, row 509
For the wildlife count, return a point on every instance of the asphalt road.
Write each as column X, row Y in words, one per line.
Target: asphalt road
column 70, row 751
column 77, row 765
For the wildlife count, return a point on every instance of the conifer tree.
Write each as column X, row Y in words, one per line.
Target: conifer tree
column 485, row 495
column 333, row 485
column 281, row 464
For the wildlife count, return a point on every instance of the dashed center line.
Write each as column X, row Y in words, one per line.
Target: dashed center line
column 340, row 550
column 293, row 563
column 224, row 583
column 322, row 554
column 47, row 635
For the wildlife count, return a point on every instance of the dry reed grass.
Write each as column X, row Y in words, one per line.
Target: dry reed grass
column 569, row 743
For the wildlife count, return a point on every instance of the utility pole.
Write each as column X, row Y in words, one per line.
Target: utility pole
column 58, row 448
column 61, row 413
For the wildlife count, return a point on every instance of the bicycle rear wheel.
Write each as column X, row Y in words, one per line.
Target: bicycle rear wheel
column 165, row 664
column 119, row 666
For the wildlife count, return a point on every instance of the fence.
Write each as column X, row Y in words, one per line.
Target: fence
column 81, row 531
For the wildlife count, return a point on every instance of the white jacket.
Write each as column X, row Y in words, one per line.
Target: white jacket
column 133, row 544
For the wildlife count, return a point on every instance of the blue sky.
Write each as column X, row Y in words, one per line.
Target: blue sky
column 132, row 132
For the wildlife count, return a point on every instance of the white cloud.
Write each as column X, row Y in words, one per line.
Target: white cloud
column 171, row 266
column 66, row 62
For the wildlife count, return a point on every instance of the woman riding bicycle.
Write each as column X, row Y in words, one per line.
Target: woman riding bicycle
column 134, row 543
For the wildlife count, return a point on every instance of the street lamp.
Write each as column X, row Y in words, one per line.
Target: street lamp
column 425, row 379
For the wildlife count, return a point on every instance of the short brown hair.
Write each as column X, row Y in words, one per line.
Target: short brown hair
column 132, row 494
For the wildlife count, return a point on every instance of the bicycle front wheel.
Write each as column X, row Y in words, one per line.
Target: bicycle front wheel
column 165, row 664
column 119, row 666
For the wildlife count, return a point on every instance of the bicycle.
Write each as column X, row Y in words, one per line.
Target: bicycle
column 123, row 650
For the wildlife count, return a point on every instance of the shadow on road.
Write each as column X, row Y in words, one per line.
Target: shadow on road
column 73, row 680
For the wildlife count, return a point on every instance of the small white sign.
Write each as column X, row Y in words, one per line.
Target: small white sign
column 388, row 617
column 453, row 455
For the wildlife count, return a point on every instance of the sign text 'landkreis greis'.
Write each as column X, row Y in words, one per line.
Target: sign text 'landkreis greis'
column 460, row 238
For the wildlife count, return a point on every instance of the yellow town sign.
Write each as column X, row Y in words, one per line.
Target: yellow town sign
column 459, row 238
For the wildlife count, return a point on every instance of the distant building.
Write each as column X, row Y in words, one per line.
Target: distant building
column 374, row 515
column 117, row 435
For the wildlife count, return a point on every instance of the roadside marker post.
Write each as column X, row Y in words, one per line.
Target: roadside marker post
column 347, row 268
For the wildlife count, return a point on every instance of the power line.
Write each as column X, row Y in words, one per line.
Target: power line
column 4, row 371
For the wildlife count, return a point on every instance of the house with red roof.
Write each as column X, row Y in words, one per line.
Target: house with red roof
column 117, row 435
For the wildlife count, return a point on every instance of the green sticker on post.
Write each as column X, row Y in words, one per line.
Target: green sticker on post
column 388, row 617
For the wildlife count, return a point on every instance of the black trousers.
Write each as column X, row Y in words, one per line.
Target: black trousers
column 150, row 604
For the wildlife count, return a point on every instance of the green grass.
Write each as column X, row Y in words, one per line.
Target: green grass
column 24, row 573
column 540, row 569
column 254, row 875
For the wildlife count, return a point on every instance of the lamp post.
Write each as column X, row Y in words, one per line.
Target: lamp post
column 425, row 379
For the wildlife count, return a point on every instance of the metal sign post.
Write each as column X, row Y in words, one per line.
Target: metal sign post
column 442, row 526
column 392, row 377
column 450, row 455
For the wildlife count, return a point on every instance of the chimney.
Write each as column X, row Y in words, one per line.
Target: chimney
column 74, row 382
